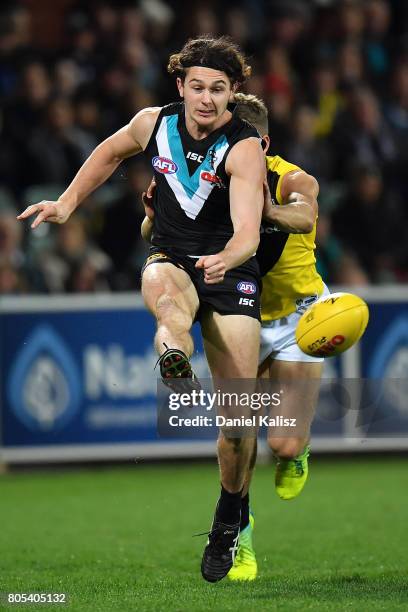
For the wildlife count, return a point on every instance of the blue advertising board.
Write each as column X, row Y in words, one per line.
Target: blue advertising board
column 384, row 363
column 82, row 375
column 78, row 372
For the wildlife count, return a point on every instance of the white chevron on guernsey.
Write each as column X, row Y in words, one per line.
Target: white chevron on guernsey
column 191, row 205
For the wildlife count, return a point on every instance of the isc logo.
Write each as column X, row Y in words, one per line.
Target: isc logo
column 195, row 157
column 246, row 287
column 246, row 302
column 164, row 165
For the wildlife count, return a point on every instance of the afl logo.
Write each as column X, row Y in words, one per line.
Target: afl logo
column 164, row 165
column 247, row 288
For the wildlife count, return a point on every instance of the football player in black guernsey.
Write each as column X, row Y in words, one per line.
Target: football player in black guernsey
column 209, row 170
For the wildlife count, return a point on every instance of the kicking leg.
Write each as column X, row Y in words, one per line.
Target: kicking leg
column 171, row 297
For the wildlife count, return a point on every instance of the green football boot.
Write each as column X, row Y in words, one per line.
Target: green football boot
column 291, row 475
column 245, row 566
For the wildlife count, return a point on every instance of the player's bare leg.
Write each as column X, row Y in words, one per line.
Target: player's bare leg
column 300, row 382
column 231, row 344
column 290, row 371
column 301, row 390
column 171, row 297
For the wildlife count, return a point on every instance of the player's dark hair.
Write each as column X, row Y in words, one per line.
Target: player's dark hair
column 217, row 53
column 253, row 110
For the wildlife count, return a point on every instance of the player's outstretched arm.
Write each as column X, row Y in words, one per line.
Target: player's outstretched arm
column 99, row 166
column 299, row 192
column 246, row 165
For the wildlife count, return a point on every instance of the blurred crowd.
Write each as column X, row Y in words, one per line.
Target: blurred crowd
column 334, row 76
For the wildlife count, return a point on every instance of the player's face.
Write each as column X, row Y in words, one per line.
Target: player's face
column 206, row 93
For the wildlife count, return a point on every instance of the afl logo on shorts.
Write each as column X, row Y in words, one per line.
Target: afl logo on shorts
column 164, row 165
column 247, row 288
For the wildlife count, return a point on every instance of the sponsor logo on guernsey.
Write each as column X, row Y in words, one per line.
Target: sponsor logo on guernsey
column 246, row 287
column 302, row 304
column 164, row 165
column 211, row 178
column 269, row 229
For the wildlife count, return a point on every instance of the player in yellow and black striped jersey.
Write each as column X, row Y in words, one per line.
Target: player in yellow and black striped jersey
column 286, row 260
column 290, row 284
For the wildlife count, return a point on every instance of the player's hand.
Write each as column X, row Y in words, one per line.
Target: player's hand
column 49, row 212
column 214, row 268
column 147, row 199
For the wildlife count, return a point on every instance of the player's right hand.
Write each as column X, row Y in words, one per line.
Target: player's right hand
column 52, row 212
column 214, row 268
column 147, row 199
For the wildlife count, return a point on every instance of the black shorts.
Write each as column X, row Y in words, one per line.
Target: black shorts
column 239, row 292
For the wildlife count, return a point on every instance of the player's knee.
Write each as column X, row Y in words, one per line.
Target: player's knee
column 286, row 448
column 166, row 307
column 170, row 316
column 165, row 301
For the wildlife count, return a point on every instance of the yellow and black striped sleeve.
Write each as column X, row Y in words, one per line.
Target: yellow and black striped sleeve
column 277, row 168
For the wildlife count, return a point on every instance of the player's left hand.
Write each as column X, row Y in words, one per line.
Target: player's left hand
column 214, row 268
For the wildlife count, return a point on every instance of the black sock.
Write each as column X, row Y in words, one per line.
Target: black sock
column 229, row 507
column 244, row 512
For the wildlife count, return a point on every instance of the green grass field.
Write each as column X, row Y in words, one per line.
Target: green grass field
column 121, row 538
